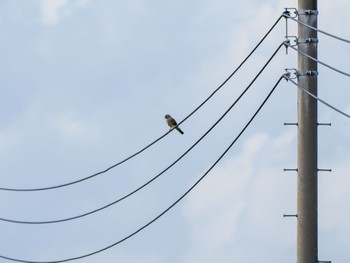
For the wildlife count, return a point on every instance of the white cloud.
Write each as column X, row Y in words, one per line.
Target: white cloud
column 234, row 203
column 70, row 127
column 215, row 209
column 334, row 193
column 82, row 3
column 228, row 212
column 241, row 204
column 8, row 139
column 51, row 10
column 347, row 110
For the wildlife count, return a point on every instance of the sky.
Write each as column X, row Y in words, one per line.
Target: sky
column 86, row 83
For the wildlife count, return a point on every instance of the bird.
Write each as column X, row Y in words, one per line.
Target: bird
column 172, row 123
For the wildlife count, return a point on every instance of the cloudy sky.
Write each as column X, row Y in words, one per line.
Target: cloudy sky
column 86, row 83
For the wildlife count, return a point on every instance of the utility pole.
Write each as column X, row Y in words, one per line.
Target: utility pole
column 307, row 236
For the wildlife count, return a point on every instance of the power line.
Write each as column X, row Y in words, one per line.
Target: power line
column 155, row 141
column 166, row 169
column 171, row 206
column 317, row 98
column 316, row 60
column 239, row 66
column 316, row 29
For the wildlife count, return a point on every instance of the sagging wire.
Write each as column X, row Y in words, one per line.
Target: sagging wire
column 166, row 169
column 171, row 206
column 153, row 142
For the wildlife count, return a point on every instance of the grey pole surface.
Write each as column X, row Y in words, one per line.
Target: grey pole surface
column 307, row 236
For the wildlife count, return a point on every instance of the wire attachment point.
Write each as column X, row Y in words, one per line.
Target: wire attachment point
column 286, row 15
column 287, row 12
column 289, row 72
column 287, row 42
column 292, row 39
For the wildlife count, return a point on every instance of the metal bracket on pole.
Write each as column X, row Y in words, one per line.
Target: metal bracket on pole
column 324, row 124
column 309, row 73
column 289, row 72
column 290, row 123
column 308, row 40
column 307, row 12
column 287, row 12
column 324, row 170
column 294, row 38
column 287, row 42
column 290, row 169
column 290, row 215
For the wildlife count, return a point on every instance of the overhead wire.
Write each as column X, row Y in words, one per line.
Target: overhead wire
column 203, row 176
column 153, row 142
column 315, row 59
column 316, row 29
column 167, row 209
column 167, row 168
column 317, row 98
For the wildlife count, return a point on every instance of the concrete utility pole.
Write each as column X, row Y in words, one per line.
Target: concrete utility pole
column 307, row 244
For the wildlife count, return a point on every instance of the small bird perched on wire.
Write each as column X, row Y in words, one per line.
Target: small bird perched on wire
column 172, row 123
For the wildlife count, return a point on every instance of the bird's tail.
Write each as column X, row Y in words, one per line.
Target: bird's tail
column 179, row 130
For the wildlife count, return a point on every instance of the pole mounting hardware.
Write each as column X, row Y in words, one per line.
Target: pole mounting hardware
column 295, row 215
column 309, row 73
column 290, row 39
column 324, row 170
column 290, row 123
column 324, row 124
column 287, row 42
column 296, row 73
column 290, row 169
column 308, row 40
column 290, row 72
column 307, row 12
column 287, row 12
